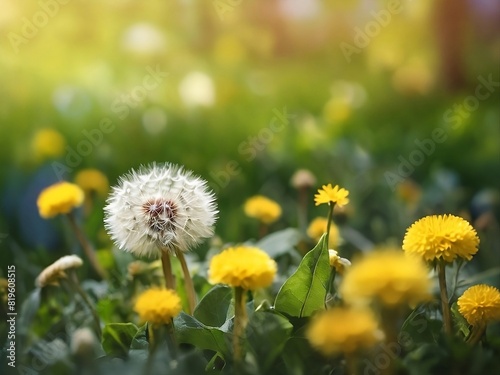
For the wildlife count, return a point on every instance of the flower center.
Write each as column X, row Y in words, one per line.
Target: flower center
column 161, row 214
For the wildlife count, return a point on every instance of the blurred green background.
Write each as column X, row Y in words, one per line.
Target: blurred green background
column 200, row 83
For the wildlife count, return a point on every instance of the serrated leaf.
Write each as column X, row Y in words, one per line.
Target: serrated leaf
column 117, row 338
column 304, row 292
column 267, row 334
column 279, row 243
column 189, row 330
column 213, row 307
column 139, row 347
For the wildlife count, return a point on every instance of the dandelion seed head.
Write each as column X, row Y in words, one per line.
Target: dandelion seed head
column 161, row 206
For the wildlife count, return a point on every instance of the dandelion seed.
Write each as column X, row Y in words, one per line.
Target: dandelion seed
column 160, row 207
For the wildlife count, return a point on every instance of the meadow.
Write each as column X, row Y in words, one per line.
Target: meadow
column 232, row 187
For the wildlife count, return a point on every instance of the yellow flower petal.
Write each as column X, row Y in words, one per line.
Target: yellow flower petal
column 343, row 330
column 263, row 209
column 480, row 303
column 243, row 266
column 158, row 306
column 60, row 198
column 329, row 194
column 443, row 237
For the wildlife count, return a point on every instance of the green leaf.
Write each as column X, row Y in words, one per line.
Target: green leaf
column 189, row 330
column 267, row 334
column 139, row 347
column 459, row 321
column 117, row 338
column 304, row 292
column 213, row 307
column 418, row 329
column 279, row 243
column 29, row 309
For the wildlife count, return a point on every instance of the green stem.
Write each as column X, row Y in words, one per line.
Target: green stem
column 331, row 205
column 74, row 285
column 171, row 342
column 167, row 269
column 330, row 295
column 240, row 322
column 302, row 209
column 188, row 282
column 263, row 229
column 445, row 306
column 351, row 364
column 476, row 334
column 86, row 246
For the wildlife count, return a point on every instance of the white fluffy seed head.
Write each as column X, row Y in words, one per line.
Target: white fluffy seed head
column 160, row 207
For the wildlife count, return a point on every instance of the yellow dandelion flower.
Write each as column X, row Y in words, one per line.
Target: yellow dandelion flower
column 317, row 228
column 329, row 194
column 243, row 266
column 158, row 306
column 480, row 304
column 339, row 263
column 60, row 198
column 343, row 330
column 443, row 237
column 389, row 276
column 92, row 181
column 57, row 270
column 47, row 143
column 262, row 208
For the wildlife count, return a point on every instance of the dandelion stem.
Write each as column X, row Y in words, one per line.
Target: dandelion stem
column 167, row 270
column 263, row 229
column 351, row 364
column 240, row 322
column 188, row 282
column 74, row 284
column 302, row 208
column 331, row 205
column 476, row 334
column 445, row 306
column 86, row 246
column 171, row 342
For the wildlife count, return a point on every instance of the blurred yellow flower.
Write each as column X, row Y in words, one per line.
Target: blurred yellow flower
column 329, row 194
column 339, row 263
column 262, row 208
column 92, row 181
column 389, row 276
column 56, row 271
column 337, row 110
column 443, row 237
column 60, row 198
column 229, row 50
column 47, row 143
column 243, row 266
column 343, row 330
column 317, row 228
column 480, row 304
column 409, row 192
column 158, row 306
